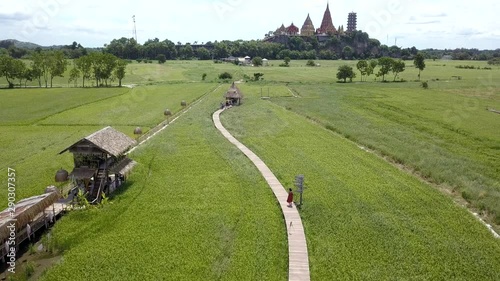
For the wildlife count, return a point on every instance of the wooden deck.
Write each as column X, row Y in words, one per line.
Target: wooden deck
column 298, row 260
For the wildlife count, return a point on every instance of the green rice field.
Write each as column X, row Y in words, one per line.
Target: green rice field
column 392, row 171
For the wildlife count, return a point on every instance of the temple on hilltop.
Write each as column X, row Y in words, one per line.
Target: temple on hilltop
column 325, row 30
column 327, row 26
column 351, row 22
column 308, row 27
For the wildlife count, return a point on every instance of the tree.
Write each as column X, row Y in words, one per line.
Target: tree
column 187, row 52
column 161, row 58
column 327, row 55
column 36, row 68
column 310, row 63
column 257, row 61
column 203, row 54
column 345, row 71
column 385, row 64
column 11, row 69
column 221, row 50
column 398, row 66
column 74, row 74
column 363, row 68
column 257, row 76
column 494, row 61
column 84, row 65
column 107, row 65
column 119, row 71
column 347, row 52
column 57, row 64
column 286, row 62
column 225, row 76
column 27, row 76
column 372, row 64
column 419, row 62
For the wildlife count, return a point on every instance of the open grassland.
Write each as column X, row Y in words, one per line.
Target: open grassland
column 364, row 218
column 444, row 133
column 37, row 124
column 195, row 208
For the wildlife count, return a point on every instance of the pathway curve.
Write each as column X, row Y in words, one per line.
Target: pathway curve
column 298, row 261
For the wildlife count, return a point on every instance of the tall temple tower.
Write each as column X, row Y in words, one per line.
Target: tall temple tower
column 327, row 26
column 351, row 22
column 308, row 27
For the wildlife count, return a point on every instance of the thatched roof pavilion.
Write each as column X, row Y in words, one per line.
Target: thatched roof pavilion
column 234, row 95
column 107, row 140
column 98, row 157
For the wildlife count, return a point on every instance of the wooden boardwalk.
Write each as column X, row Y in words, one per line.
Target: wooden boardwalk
column 298, row 260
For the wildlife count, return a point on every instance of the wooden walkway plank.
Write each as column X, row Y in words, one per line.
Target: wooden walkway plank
column 298, row 260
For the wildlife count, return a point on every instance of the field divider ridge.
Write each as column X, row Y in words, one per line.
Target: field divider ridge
column 298, row 259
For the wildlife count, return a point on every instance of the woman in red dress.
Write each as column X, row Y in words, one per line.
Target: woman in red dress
column 289, row 200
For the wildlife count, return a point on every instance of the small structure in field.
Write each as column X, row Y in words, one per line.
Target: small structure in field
column 233, row 95
column 100, row 163
column 29, row 215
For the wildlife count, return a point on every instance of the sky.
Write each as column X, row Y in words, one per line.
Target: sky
column 93, row 23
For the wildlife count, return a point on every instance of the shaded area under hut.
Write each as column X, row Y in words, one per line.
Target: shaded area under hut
column 101, row 165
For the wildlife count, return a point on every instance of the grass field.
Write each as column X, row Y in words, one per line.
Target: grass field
column 39, row 123
column 364, row 219
column 194, row 206
column 446, row 135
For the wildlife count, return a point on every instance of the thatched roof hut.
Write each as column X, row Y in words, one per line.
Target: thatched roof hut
column 26, row 210
column 234, row 95
column 100, row 160
column 108, row 140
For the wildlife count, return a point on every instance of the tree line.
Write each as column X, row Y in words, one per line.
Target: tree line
column 44, row 66
column 385, row 64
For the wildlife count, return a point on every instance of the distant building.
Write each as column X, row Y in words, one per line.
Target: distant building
column 327, row 26
column 351, row 22
column 281, row 30
column 292, row 30
column 323, row 32
column 308, row 27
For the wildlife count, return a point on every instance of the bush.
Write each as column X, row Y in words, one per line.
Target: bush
column 257, row 76
column 257, row 61
column 203, row 76
column 29, row 269
column 161, row 58
column 425, row 85
column 225, row 76
column 32, row 249
column 310, row 63
column 139, row 60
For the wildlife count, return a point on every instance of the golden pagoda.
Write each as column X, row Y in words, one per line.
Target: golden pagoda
column 308, row 27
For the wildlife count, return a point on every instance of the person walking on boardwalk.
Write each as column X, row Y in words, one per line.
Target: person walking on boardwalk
column 289, row 200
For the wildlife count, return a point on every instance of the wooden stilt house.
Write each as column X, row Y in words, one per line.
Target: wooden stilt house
column 233, row 95
column 100, row 163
